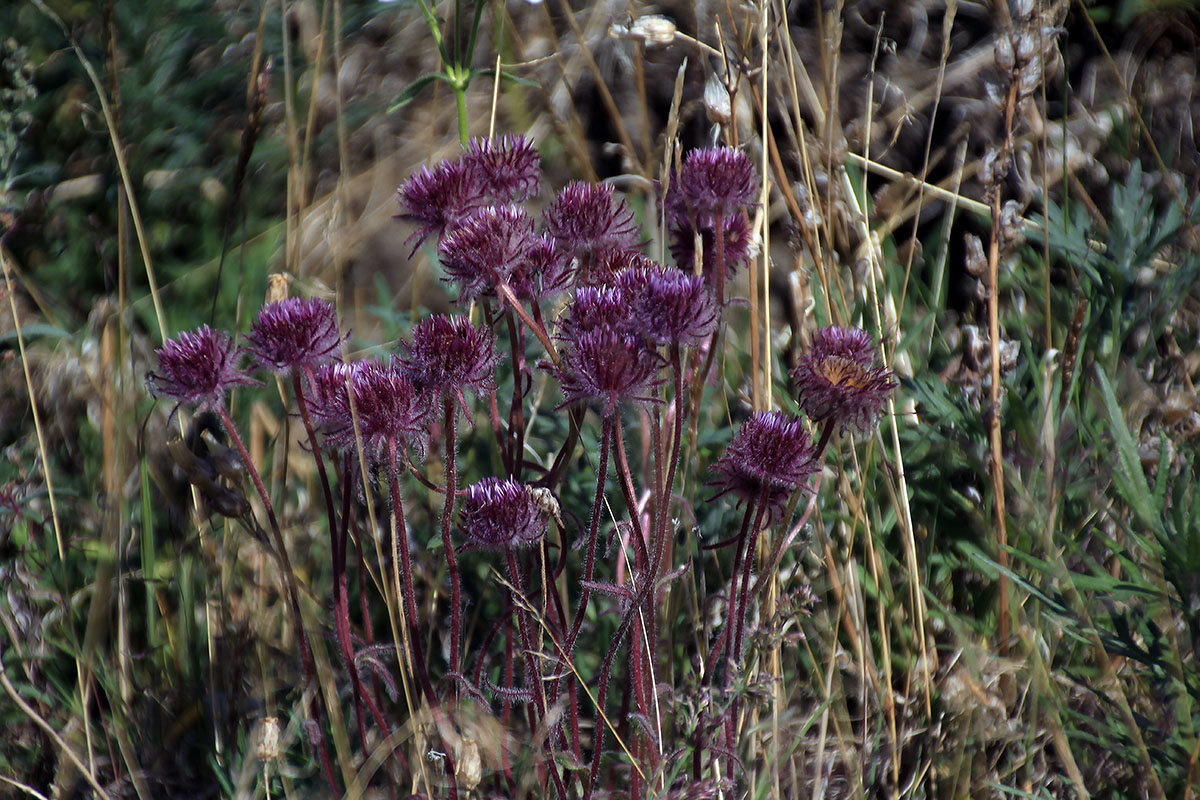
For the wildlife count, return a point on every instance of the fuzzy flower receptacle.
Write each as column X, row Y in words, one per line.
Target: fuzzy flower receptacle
column 771, row 455
column 198, row 368
column 839, row 382
column 294, row 334
column 502, row 514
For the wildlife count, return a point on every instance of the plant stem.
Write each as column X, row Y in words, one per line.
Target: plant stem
column 447, row 545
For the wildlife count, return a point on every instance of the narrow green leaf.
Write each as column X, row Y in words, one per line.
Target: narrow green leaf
column 1128, row 474
column 414, row 88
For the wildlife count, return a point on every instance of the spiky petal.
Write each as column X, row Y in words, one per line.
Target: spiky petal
column 717, row 180
column 610, row 367
column 389, row 406
column 668, row 306
column 294, row 334
column 448, row 355
column 508, row 167
column 839, row 381
column 198, row 368
column 486, row 250
column 501, row 514
column 587, row 219
column 438, row 199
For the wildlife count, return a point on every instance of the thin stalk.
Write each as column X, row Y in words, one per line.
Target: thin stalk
column 447, row 545
column 408, row 600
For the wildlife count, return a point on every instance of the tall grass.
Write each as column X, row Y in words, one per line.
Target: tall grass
column 992, row 593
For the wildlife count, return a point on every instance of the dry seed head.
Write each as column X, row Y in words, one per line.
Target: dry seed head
column 716, row 101
column 268, row 748
column 654, row 29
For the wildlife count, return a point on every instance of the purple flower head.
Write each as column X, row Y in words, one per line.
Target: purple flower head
column 595, row 307
column 449, row 354
column 610, row 367
column 327, row 398
column 668, row 306
column 438, row 199
column 739, row 244
column 717, row 180
column 508, row 166
column 486, row 249
column 389, row 407
column 545, row 271
column 501, row 514
column 587, row 219
column 838, row 380
column 770, row 451
column 607, row 265
column 294, row 334
column 198, row 368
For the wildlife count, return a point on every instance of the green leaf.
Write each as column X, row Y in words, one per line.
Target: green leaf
column 414, row 88
column 1127, row 473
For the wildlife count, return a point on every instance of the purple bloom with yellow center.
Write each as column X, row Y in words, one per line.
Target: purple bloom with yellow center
column 838, row 380
column 771, row 453
column 502, row 514
column 198, row 368
column 294, row 334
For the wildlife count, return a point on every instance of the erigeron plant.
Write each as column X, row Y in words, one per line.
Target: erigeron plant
column 633, row 342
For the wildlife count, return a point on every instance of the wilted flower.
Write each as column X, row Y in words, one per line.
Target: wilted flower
column 294, row 334
column 587, row 219
column 438, row 199
column 608, row 366
column 198, row 368
column 668, row 306
column 838, row 380
column 508, row 167
column 389, row 407
column 487, row 248
column 449, row 354
column 501, row 514
column 770, row 451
